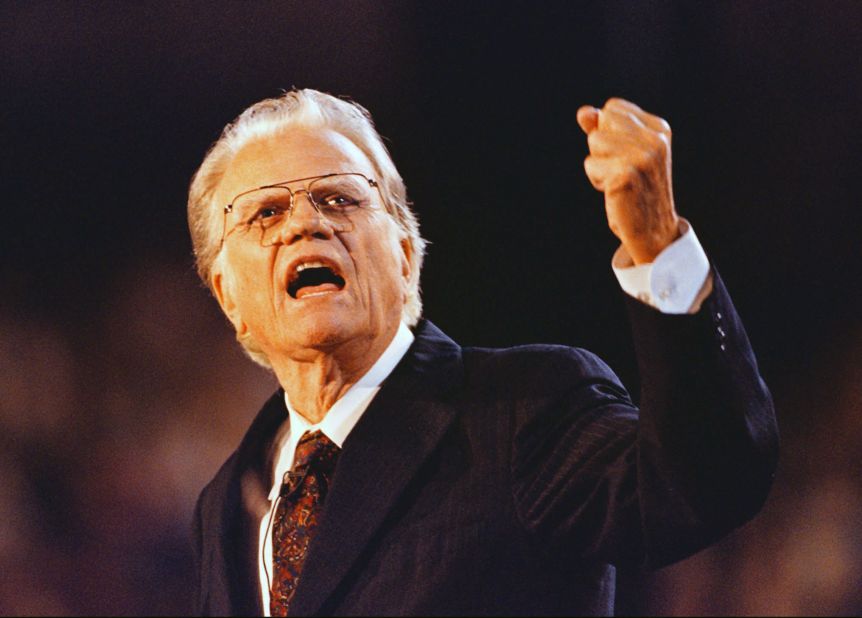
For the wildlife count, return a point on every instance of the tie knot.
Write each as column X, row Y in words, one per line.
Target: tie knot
column 314, row 448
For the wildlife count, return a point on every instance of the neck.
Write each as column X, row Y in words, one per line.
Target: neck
column 316, row 380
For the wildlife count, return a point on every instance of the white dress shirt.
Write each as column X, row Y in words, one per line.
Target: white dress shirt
column 336, row 425
column 672, row 284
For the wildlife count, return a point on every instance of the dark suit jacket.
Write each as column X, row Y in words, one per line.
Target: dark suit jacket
column 511, row 481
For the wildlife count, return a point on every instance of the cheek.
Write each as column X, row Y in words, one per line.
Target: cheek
column 391, row 275
column 379, row 271
column 379, row 260
column 255, row 293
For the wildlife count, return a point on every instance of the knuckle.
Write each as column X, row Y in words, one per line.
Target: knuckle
column 655, row 145
column 663, row 145
column 664, row 141
column 633, row 119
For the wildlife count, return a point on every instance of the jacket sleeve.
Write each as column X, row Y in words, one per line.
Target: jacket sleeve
column 595, row 478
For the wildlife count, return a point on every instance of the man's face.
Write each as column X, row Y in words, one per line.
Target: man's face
column 357, row 300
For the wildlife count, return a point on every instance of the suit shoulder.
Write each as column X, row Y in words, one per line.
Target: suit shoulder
column 545, row 367
column 535, row 358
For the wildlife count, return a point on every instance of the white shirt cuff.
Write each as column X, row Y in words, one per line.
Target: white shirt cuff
column 672, row 282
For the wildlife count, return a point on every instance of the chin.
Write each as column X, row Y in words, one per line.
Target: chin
column 322, row 330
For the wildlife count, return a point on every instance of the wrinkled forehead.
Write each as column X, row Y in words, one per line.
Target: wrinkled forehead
column 297, row 152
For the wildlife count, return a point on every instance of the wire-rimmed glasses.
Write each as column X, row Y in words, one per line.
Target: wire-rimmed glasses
column 258, row 213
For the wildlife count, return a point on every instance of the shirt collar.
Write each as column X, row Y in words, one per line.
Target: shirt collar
column 346, row 412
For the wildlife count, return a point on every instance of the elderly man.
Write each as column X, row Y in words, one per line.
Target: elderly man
column 397, row 473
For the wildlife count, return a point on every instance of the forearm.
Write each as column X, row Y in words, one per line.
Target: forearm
column 707, row 433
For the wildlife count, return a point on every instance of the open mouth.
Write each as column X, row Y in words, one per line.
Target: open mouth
column 313, row 278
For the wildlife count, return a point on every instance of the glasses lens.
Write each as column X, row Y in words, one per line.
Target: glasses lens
column 338, row 196
column 260, row 210
column 259, row 214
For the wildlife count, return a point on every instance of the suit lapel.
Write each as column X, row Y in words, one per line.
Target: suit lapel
column 233, row 580
column 385, row 450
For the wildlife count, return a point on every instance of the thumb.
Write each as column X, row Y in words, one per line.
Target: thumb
column 588, row 118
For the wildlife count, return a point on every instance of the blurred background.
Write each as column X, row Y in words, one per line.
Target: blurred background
column 121, row 387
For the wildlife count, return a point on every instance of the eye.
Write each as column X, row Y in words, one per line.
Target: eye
column 266, row 213
column 337, row 201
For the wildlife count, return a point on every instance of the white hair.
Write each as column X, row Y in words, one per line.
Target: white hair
column 304, row 108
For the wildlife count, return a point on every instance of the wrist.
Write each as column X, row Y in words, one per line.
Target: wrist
column 645, row 248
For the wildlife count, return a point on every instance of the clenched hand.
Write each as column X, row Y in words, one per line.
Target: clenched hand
column 630, row 162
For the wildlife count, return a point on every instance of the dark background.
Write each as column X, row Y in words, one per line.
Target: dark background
column 122, row 391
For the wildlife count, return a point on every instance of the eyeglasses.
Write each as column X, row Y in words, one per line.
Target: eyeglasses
column 260, row 212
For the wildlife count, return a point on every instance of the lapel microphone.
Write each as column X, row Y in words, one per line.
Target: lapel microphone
column 290, row 482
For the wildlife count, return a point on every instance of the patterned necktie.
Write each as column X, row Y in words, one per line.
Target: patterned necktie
column 297, row 515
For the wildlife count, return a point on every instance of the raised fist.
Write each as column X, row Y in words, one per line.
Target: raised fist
column 630, row 161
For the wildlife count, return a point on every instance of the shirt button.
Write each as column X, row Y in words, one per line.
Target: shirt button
column 721, row 333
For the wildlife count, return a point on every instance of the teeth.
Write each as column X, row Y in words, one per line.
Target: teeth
column 305, row 265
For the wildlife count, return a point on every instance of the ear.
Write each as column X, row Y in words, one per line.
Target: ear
column 406, row 255
column 223, row 291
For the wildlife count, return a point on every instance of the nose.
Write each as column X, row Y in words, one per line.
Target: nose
column 305, row 221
